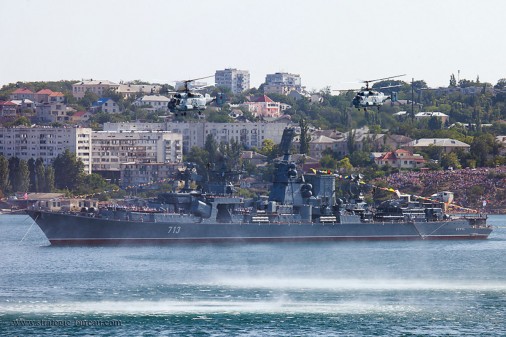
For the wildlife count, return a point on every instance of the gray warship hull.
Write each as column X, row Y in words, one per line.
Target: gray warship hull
column 299, row 208
column 75, row 229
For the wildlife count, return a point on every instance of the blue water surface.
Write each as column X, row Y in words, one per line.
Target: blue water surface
column 425, row 288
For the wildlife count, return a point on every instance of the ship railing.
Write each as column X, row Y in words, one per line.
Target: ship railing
column 324, row 219
column 260, row 219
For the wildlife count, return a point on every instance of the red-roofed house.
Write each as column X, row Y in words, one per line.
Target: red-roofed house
column 8, row 109
column 42, row 96
column 22, row 93
column 401, row 159
column 49, row 96
column 264, row 106
column 56, row 97
column 80, row 116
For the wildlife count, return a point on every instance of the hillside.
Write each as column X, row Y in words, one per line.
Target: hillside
column 471, row 186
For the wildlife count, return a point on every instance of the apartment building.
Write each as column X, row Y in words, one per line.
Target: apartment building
column 97, row 87
column 236, row 80
column 46, row 143
column 50, row 112
column 249, row 134
column 282, row 83
column 111, row 148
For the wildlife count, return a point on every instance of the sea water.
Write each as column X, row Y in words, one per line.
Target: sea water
column 423, row 288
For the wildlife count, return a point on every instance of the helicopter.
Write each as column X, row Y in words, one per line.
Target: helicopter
column 368, row 97
column 187, row 100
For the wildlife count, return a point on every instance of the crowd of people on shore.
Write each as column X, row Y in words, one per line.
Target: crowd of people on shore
column 483, row 188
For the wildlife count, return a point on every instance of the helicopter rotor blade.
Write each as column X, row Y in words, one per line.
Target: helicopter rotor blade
column 389, row 86
column 203, row 87
column 196, row 79
column 340, row 90
column 385, row 78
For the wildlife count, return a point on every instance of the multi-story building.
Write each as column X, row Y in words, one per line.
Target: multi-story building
column 236, row 80
column 193, row 134
column 246, row 133
column 134, row 126
column 132, row 90
column 155, row 102
column 111, row 148
column 52, row 112
column 282, row 83
column 46, row 143
column 447, row 145
column 263, row 106
column 97, row 87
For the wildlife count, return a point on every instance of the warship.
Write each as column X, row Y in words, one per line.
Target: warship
column 299, row 207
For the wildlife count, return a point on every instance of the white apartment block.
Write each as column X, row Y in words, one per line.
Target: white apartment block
column 46, row 143
column 193, row 134
column 134, row 126
column 248, row 134
column 95, row 86
column 111, row 148
column 236, row 80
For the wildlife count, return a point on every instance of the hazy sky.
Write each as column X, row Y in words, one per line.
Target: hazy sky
column 327, row 42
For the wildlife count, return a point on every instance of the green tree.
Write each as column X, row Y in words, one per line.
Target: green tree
column 24, row 176
column 450, row 160
column 88, row 99
column 33, row 179
column 94, row 184
column 344, row 165
column 69, row 169
column 13, row 173
column 305, row 138
column 5, row 185
column 211, row 146
column 453, row 81
column 40, row 176
column 484, row 147
column 269, row 149
column 19, row 174
column 435, row 123
column 501, row 84
column 49, row 179
column 328, row 162
column 232, row 153
column 198, row 156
